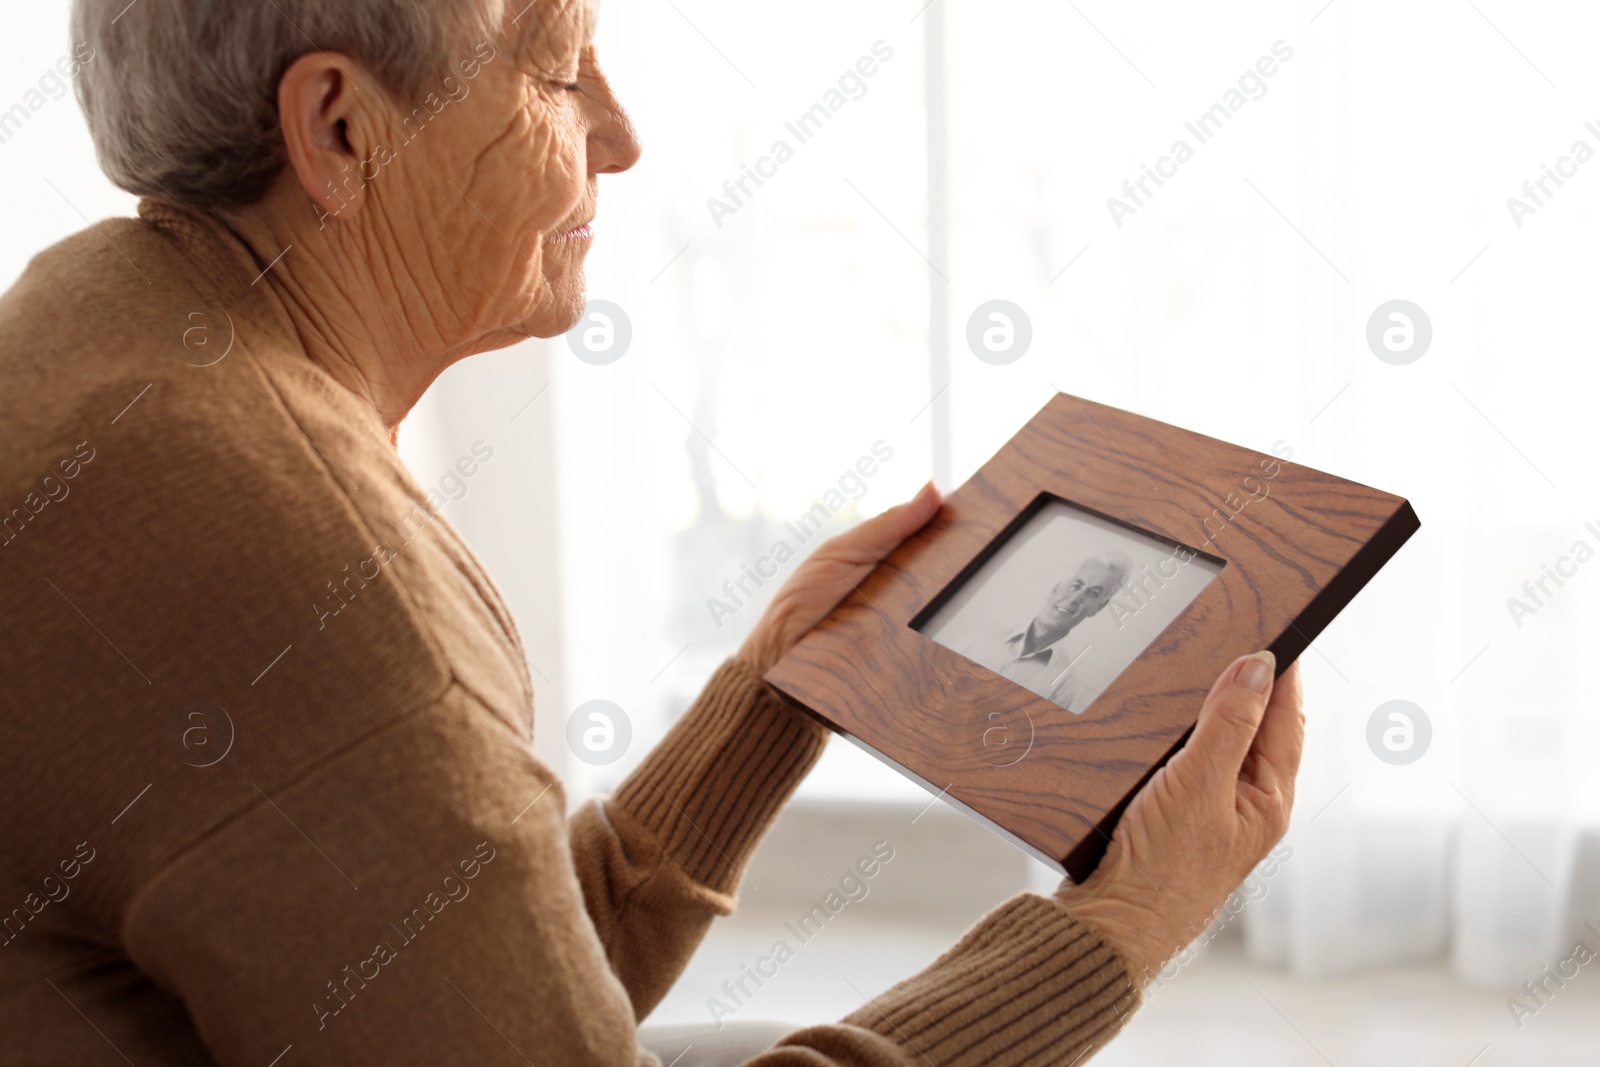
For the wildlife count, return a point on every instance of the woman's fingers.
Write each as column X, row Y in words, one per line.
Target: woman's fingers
column 1229, row 720
column 829, row 575
column 870, row 541
column 1275, row 755
column 1198, row 827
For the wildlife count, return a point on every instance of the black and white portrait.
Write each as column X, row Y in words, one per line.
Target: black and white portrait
column 1068, row 602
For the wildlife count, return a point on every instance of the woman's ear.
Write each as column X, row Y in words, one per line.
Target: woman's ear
column 324, row 114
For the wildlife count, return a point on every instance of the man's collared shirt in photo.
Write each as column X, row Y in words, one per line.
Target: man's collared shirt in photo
column 1060, row 672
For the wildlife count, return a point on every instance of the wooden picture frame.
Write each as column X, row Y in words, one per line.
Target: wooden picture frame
column 1290, row 547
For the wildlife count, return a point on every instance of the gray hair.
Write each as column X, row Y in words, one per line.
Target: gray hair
column 1118, row 564
column 182, row 95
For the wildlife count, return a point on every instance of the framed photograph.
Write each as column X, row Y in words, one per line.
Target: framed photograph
column 1030, row 611
column 1043, row 645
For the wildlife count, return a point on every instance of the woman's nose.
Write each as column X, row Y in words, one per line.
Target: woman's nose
column 613, row 143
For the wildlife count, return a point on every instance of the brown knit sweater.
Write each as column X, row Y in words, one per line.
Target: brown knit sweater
column 243, row 828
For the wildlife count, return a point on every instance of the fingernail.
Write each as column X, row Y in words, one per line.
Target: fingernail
column 924, row 492
column 1255, row 674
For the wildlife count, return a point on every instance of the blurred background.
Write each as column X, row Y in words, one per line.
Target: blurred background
column 747, row 346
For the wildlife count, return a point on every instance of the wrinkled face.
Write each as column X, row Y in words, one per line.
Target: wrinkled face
column 501, row 182
column 1079, row 597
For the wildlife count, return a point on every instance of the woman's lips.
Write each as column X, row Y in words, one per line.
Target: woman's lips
column 580, row 233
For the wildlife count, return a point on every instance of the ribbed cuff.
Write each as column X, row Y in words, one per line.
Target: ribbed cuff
column 715, row 783
column 1029, row 984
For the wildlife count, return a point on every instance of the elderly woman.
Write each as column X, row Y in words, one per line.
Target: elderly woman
column 344, row 199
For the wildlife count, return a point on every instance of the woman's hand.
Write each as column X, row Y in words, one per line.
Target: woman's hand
column 828, row 575
column 1203, row 822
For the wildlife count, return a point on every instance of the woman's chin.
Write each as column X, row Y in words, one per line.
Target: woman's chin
column 556, row 311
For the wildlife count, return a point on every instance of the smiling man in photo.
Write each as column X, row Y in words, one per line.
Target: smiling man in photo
column 1042, row 656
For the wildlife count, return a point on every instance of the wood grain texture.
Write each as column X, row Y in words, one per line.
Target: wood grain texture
column 1294, row 557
